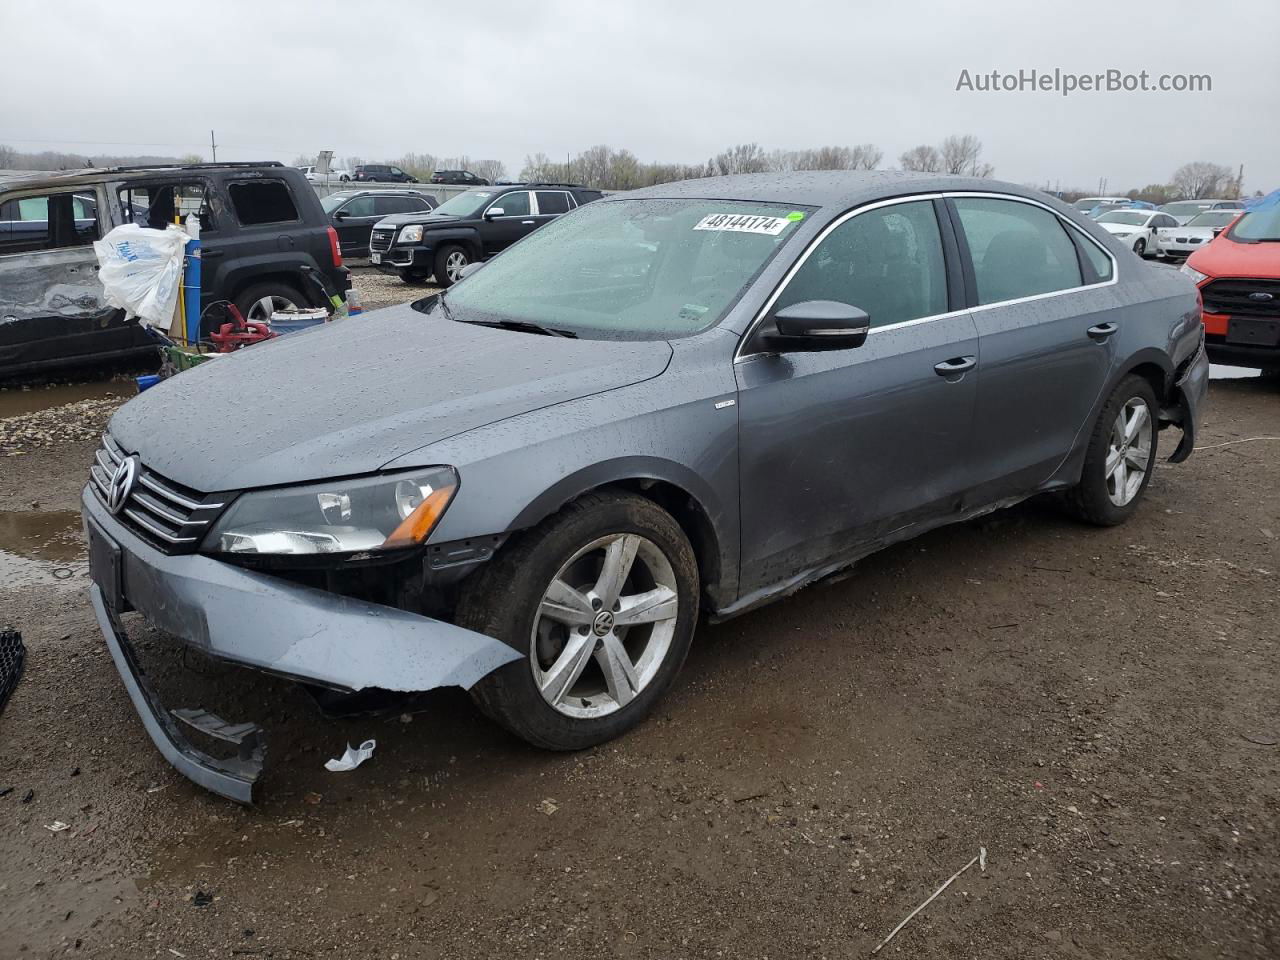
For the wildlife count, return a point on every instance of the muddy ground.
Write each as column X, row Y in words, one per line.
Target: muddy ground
column 1096, row 708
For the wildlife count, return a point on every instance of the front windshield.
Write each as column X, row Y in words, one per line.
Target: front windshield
column 1216, row 218
column 1259, row 226
column 468, row 204
column 630, row 269
column 334, row 200
column 1133, row 218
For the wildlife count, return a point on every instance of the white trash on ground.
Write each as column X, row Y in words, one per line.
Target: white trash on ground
column 141, row 271
column 352, row 758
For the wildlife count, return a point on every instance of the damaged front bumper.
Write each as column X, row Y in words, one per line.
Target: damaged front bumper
column 255, row 620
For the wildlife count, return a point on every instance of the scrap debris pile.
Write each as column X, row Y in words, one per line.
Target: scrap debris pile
column 68, row 423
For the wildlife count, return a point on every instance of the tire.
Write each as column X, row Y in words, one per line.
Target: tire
column 1140, row 247
column 1097, row 498
column 591, row 698
column 448, row 264
column 411, row 276
column 252, row 299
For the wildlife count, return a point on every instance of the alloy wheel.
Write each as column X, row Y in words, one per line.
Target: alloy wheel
column 1129, row 451
column 453, row 265
column 260, row 311
column 604, row 626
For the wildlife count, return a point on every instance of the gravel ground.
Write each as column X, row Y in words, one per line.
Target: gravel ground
column 1096, row 708
column 380, row 290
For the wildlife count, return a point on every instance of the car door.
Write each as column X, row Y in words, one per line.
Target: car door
column 1161, row 224
column 840, row 450
column 354, row 222
column 549, row 204
column 516, row 220
column 1043, row 317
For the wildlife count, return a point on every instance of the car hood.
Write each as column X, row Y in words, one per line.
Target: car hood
column 1121, row 227
column 426, row 219
column 1226, row 258
column 349, row 397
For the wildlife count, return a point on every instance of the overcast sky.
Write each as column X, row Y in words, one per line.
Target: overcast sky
column 672, row 81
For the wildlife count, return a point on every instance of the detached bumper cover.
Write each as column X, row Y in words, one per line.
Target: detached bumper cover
column 1189, row 396
column 258, row 621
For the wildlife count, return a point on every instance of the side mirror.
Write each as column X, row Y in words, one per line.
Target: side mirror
column 815, row 325
column 341, row 215
column 1218, row 230
column 469, row 269
column 494, row 212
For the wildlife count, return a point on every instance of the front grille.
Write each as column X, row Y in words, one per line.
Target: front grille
column 1188, row 240
column 380, row 240
column 168, row 515
column 1232, row 296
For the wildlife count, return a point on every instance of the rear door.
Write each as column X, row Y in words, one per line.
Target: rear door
column 1043, row 316
column 841, row 449
column 354, row 222
column 550, row 204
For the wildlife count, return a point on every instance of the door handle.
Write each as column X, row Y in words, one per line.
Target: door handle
column 1101, row 331
column 955, row 366
column 527, row 222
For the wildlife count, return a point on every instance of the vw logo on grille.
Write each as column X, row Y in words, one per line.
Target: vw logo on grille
column 121, row 484
column 1262, row 296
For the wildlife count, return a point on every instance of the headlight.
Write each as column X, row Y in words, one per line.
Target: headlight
column 1195, row 275
column 343, row 516
column 1129, row 234
column 411, row 233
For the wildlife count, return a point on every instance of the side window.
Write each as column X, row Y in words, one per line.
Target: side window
column 552, row 201
column 48, row 222
column 359, row 207
column 156, row 205
column 514, row 204
column 1101, row 263
column 397, row 171
column 1018, row 250
column 385, row 206
column 1164, row 220
column 262, row 201
column 887, row 262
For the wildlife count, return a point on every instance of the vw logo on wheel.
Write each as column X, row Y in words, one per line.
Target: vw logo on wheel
column 121, row 484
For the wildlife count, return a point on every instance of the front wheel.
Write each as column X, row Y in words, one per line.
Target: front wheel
column 1140, row 247
column 1121, row 456
column 601, row 600
column 450, row 262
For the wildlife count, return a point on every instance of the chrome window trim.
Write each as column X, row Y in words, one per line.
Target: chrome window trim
column 511, row 193
column 537, row 207
column 739, row 356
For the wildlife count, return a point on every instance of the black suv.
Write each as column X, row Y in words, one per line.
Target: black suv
column 266, row 244
column 353, row 213
column 470, row 227
column 464, row 177
column 381, row 173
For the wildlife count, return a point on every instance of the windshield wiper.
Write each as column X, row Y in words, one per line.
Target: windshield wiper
column 524, row 326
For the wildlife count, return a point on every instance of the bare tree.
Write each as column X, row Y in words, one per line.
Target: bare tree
column 540, row 167
column 865, row 156
column 8, row 157
column 960, row 154
column 743, row 158
column 924, row 159
column 491, row 170
column 301, row 160
column 1200, row 179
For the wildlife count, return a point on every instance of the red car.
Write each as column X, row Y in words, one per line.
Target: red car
column 1239, row 278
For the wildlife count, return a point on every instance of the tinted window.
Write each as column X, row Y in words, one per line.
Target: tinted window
column 1098, row 259
column 552, row 201
column 359, row 207
column 888, row 262
column 385, row 206
column 1018, row 249
column 262, row 201
column 48, row 222
column 514, row 204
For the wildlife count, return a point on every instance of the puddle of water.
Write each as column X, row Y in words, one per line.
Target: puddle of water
column 17, row 401
column 39, row 548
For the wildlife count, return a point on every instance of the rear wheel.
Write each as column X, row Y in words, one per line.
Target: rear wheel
column 1121, row 456
column 258, row 302
column 601, row 600
column 450, row 261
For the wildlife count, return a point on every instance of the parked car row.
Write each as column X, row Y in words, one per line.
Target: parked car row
column 353, row 213
column 267, row 245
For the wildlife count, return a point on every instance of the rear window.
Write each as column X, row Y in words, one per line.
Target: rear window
column 262, row 201
column 552, row 201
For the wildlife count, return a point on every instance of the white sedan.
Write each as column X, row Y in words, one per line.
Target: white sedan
column 1185, row 240
column 334, row 174
column 1140, row 229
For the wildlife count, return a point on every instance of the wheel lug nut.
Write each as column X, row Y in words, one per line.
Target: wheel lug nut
column 583, row 630
column 596, row 603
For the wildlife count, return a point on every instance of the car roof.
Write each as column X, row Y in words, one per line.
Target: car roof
column 94, row 174
column 826, row 188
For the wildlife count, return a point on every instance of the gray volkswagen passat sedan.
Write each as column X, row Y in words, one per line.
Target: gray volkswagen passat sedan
column 689, row 399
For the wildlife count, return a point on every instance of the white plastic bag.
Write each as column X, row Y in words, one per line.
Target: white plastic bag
column 141, row 270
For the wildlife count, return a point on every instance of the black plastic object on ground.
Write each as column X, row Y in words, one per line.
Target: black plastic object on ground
column 12, row 657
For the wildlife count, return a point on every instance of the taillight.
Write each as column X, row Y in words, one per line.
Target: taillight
column 334, row 249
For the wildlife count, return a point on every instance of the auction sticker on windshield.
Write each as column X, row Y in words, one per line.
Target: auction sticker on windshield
column 738, row 223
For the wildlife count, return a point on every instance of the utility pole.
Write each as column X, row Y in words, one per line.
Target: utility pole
column 213, row 146
column 1240, row 182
